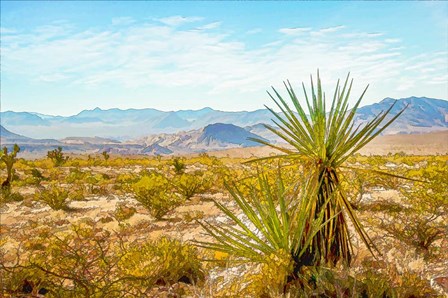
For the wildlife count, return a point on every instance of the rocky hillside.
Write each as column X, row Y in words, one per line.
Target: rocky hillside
column 216, row 136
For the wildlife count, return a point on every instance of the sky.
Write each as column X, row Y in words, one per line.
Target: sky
column 61, row 57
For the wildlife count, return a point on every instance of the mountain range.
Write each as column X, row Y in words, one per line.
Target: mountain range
column 150, row 131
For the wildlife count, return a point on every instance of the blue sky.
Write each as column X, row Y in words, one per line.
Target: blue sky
column 62, row 57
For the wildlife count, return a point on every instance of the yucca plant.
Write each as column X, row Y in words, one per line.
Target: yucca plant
column 276, row 224
column 326, row 141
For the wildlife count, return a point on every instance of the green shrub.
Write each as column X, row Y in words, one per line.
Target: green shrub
column 76, row 175
column 123, row 212
column 414, row 228
column 55, row 197
column 166, row 261
column 8, row 196
column 191, row 216
column 189, row 185
column 155, row 193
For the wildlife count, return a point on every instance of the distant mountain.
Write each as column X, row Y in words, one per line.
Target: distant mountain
column 223, row 134
column 156, row 149
column 212, row 137
column 41, row 146
column 422, row 115
column 11, row 119
column 172, row 121
column 10, row 137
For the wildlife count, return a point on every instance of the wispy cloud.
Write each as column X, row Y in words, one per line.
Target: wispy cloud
column 210, row 26
column 4, row 30
column 178, row 20
column 331, row 29
column 294, row 31
column 142, row 54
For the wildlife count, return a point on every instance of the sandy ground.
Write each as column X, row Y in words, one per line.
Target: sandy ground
column 415, row 144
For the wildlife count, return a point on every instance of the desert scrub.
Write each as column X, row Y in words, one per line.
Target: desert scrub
column 165, row 261
column 124, row 181
column 422, row 219
column 191, row 184
column 76, row 175
column 97, row 183
column 36, row 177
column 54, row 196
column 156, row 194
column 8, row 196
column 80, row 262
column 123, row 212
column 191, row 216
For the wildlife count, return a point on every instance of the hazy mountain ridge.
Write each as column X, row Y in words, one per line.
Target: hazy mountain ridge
column 422, row 115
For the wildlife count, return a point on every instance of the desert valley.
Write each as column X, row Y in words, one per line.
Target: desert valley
column 228, row 149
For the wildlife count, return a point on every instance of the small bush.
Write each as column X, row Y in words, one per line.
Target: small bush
column 7, row 196
column 55, row 197
column 189, row 185
column 122, row 212
column 193, row 215
column 168, row 260
column 155, row 193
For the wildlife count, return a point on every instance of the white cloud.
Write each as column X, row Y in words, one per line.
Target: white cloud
column 4, row 30
column 210, row 26
column 178, row 20
column 141, row 55
column 294, row 31
column 331, row 29
column 392, row 40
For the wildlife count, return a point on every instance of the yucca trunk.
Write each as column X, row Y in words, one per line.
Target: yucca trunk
column 332, row 241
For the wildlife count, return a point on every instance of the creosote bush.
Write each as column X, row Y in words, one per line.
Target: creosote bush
column 123, row 212
column 167, row 259
column 191, row 184
column 55, row 197
column 156, row 194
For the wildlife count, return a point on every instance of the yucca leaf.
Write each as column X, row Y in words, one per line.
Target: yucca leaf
column 327, row 141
